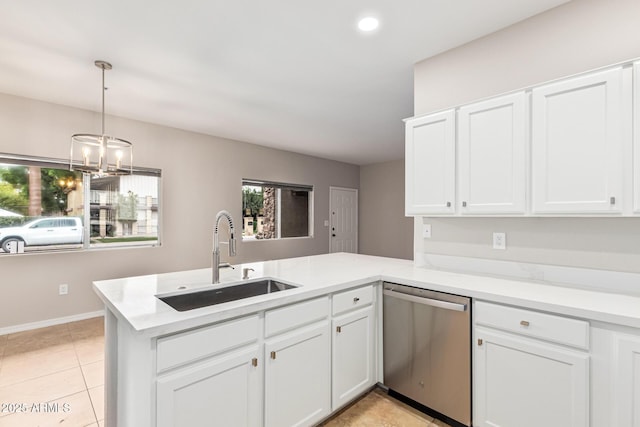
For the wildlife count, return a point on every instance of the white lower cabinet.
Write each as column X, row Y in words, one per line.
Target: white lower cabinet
column 524, row 381
column 616, row 377
column 224, row 390
column 279, row 368
column 353, row 355
column 627, row 380
column 297, row 377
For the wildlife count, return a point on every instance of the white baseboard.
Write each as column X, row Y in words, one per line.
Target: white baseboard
column 50, row 322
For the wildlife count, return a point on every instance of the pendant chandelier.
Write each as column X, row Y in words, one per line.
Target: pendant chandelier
column 102, row 154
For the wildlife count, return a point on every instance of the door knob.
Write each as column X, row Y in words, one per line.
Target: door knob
column 333, row 235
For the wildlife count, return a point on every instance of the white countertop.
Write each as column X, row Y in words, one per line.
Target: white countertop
column 133, row 299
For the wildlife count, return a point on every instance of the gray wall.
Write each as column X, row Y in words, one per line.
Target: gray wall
column 576, row 37
column 383, row 229
column 201, row 175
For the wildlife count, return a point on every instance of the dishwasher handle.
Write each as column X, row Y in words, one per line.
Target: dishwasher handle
column 426, row 301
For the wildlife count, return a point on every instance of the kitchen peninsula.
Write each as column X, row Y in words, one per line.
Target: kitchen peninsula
column 159, row 361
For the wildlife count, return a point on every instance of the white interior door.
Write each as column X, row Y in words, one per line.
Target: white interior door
column 343, row 208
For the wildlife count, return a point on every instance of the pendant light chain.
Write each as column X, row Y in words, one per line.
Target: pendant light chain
column 103, row 90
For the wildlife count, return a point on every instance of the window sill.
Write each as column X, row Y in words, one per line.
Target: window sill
column 253, row 239
column 76, row 250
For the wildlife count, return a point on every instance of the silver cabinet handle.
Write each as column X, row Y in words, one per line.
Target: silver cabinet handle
column 464, row 204
column 426, row 301
column 612, row 200
column 356, row 299
column 448, row 204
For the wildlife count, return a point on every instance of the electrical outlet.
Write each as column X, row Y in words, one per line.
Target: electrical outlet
column 63, row 289
column 426, row 231
column 500, row 241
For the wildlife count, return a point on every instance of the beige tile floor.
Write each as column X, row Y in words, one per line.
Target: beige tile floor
column 53, row 376
column 377, row 409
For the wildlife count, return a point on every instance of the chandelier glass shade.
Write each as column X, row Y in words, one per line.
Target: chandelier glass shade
column 101, row 154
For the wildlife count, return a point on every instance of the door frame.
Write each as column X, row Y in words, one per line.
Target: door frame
column 331, row 189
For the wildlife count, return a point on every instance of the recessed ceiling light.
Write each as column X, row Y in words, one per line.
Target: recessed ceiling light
column 368, row 24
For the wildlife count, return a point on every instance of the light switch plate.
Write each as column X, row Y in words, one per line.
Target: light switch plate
column 426, row 231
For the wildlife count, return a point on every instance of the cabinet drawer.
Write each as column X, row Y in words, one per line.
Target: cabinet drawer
column 193, row 345
column 290, row 317
column 349, row 300
column 548, row 327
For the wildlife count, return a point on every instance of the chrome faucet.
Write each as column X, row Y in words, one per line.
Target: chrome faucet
column 216, row 245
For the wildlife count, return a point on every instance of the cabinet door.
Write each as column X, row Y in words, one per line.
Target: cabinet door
column 297, row 377
column 353, row 355
column 225, row 390
column 577, row 145
column 430, row 164
column 526, row 383
column 636, row 136
column 627, row 381
column 492, row 165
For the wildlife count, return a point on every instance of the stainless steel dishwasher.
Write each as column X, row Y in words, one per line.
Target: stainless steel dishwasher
column 427, row 350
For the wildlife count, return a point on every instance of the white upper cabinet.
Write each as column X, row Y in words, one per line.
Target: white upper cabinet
column 566, row 148
column 636, row 137
column 430, row 164
column 491, row 149
column 577, row 145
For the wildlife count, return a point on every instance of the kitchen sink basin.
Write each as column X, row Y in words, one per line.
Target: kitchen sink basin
column 219, row 295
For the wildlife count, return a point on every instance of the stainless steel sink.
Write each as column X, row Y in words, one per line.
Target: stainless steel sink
column 219, row 295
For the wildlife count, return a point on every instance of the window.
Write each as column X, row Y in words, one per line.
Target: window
column 276, row 210
column 44, row 206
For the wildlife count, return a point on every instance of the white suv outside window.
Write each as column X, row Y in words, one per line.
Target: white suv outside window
column 43, row 231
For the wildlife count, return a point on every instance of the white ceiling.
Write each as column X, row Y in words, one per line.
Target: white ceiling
column 290, row 74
